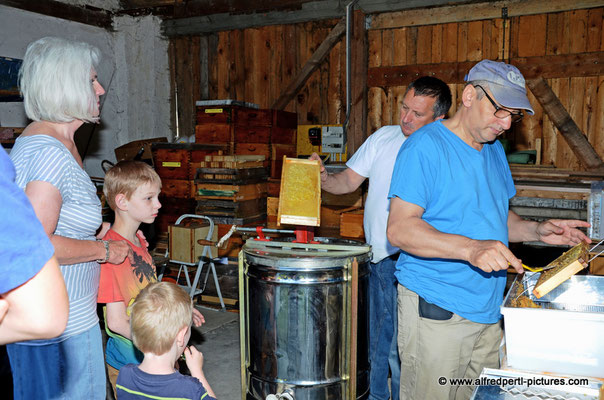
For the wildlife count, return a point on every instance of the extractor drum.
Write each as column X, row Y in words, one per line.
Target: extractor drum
column 305, row 319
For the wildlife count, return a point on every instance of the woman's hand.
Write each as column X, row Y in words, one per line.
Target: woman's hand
column 118, row 251
column 198, row 318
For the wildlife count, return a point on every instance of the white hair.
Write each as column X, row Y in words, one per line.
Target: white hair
column 55, row 80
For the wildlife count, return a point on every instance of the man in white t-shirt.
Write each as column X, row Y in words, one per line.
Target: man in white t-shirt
column 426, row 100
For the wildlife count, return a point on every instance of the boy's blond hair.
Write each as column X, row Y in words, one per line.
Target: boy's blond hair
column 159, row 311
column 125, row 177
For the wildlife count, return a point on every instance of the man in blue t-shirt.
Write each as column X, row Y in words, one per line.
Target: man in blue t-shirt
column 449, row 213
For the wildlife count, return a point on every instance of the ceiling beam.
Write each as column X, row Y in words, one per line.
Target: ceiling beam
column 554, row 66
column 82, row 14
column 204, row 16
column 475, row 12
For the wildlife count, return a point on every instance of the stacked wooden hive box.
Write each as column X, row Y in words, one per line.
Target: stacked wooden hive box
column 231, row 189
column 249, row 131
column 176, row 164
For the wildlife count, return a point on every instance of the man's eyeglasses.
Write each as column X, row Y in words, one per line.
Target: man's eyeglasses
column 500, row 112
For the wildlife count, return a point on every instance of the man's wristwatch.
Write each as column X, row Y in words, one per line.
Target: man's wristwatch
column 106, row 244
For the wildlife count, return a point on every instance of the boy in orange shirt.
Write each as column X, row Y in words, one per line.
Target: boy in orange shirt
column 131, row 189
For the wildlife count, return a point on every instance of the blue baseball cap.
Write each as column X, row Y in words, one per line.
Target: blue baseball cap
column 505, row 81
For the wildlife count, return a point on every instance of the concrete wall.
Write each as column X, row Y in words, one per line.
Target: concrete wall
column 133, row 70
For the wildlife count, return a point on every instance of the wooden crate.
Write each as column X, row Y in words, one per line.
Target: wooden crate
column 173, row 160
column 596, row 266
column 231, row 176
column 214, row 133
column 330, row 217
column 236, row 209
column 171, row 163
column 260, row 149
column 214, row 115
column 233, row 115
column 232, row 161
column 199, row 154
column 211, row 191
column 252, row 134
column 252, row 117
column 351, row 224
column 177, row 188
column 184, row 244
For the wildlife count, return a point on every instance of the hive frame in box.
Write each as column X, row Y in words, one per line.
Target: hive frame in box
column 206, row 258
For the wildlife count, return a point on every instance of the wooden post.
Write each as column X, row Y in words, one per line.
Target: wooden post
column 357, row 126
column 577, row 141
column 311, row 65
column 354, row 312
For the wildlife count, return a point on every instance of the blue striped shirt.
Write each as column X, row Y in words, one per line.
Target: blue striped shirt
column 44, row 158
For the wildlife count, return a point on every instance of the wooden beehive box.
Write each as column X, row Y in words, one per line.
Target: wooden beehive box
column 300, row 199
column 183, row 245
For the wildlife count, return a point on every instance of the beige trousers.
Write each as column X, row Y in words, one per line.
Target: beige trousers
column 112, row 375
column 432, row 352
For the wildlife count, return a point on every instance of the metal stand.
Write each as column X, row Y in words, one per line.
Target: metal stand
column 206, row 258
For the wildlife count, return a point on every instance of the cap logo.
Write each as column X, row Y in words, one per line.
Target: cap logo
column 515, row 78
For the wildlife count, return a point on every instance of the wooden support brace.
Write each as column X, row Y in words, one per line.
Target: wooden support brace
column 577, row 141
column 311, row 65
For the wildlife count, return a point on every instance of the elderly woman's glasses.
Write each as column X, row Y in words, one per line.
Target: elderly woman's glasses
column 500, row 112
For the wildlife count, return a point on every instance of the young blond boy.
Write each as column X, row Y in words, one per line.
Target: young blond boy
column 131, row 189
column 161, row 327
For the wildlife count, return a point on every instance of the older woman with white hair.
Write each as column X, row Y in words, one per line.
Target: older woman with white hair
column 61, row 92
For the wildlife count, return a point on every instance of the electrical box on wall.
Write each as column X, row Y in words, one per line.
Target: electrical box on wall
column 323, row 140
column 332, row 139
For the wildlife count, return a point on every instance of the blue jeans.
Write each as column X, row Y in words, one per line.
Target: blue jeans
column 383, row 351
column 71, row 369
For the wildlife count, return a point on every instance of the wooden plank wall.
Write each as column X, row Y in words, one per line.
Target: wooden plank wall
column 256, row 64
column 560, row 33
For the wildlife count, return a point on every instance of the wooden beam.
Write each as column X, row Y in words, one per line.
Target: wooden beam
column 311, row 65
column 577, row 141
column 82, row 14
column 555, row 66
column 475, row 12
column 200, row 24
column 356, row 132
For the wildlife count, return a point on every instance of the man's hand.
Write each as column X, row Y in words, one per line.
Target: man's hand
column 198, row 318
column 492, row 255
column 562, row 231
column 324, row 174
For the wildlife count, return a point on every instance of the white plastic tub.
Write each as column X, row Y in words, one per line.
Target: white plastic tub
column 563, row 341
